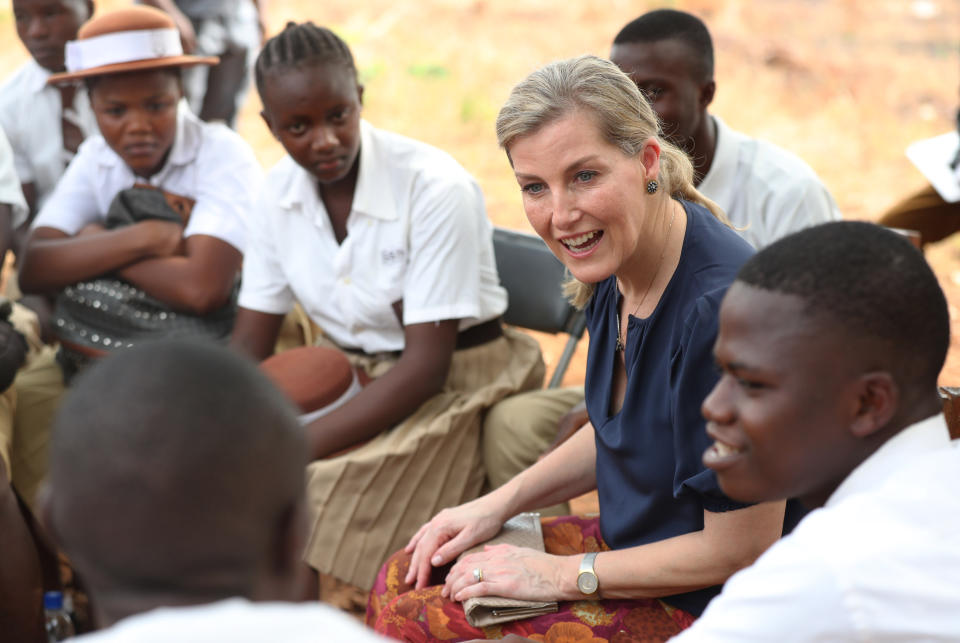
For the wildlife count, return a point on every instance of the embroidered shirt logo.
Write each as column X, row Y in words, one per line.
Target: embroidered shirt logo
column 390, row 257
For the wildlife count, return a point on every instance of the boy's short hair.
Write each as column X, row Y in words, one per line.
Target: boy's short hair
column 666, row 24
column 868, row 280
column 170, row 464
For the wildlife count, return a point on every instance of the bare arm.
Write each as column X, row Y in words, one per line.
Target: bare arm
column 53, row 259
column 255, row 333
column 567, row 471
column 6, row 230
column 728, row 542
column 198, row 282
column 418, row 375
column 30, row 196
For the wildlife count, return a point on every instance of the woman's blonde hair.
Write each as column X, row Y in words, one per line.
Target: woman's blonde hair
column 622, row 114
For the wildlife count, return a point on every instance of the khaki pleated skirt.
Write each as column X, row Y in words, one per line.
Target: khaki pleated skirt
column 367, row 503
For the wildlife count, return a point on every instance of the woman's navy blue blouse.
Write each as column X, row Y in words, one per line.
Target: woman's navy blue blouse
column 651, row 482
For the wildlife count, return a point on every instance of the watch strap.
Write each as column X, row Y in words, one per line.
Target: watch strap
column 586, row 567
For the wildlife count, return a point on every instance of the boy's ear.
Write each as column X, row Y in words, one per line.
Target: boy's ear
column 878, row 401
column 707, row 92
column 360, row 93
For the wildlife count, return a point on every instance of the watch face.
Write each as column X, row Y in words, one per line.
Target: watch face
column 587, row 582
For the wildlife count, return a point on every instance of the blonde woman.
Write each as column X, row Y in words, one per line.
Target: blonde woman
column 651, row 259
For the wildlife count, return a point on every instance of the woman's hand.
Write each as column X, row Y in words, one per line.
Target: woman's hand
column 451, row 532
column 513, row 572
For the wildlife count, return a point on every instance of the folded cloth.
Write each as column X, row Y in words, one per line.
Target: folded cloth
column 523, row 530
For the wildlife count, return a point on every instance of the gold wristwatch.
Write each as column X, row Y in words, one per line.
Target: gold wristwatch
column 587, row 581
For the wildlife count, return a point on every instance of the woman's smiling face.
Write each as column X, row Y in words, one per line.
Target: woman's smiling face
column 583, row 195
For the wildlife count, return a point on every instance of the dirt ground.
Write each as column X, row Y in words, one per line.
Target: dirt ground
column 845, row 84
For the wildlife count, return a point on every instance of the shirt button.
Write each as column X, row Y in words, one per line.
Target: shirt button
column 346, row 280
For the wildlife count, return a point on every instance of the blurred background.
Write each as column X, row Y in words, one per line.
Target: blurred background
column 845, row 84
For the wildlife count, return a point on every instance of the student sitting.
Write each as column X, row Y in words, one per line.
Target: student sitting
column 176, row 489
column 22, row 404
column 45, row 123
column 386, row 244
column 193, row 184
column 830, row 345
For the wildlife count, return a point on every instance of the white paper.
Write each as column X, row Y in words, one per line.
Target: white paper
column 932, row 157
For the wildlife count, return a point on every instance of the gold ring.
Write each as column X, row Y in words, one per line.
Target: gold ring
column 478, row 575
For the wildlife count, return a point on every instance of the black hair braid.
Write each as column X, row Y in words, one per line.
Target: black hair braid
column 301, row 44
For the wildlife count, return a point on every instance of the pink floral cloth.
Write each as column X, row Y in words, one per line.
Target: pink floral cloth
column 398, row 611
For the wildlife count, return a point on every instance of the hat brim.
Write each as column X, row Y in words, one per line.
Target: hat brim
column 135, row 65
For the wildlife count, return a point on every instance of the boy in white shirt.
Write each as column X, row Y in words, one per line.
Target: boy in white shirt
column 45, row 124
column 186, row 520
column 830, row 344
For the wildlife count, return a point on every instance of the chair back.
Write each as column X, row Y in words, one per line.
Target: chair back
column 533, row 278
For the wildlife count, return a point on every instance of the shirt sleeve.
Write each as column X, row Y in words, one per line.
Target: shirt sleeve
column 73, row 203
column 10, row 192
column 693, row 376
column 799, row 204
column 789, row 594
column 264, row 286
column 229, row 180
column 443, row 273
column 8, row 122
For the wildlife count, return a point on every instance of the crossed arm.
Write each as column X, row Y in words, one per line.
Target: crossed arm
column 193, row 275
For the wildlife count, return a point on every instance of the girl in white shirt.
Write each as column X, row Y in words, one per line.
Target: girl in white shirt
column 149, row 138
column 385, row 243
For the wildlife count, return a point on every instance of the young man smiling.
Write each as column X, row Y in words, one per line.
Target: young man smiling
column 830, row 344
column 765, row 190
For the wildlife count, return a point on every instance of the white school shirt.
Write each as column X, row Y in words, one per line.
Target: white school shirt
column 30, row 114
column 10, row 192
column 417, row 231
column 880, row 561
column 766, row 191
column 208, row 162
column 240, row 621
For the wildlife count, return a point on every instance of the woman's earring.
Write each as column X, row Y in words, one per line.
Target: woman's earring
column 652, row 187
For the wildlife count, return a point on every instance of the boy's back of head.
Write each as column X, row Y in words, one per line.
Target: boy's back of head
column 176, row 476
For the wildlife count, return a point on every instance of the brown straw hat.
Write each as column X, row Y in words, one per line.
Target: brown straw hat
column 134, row 38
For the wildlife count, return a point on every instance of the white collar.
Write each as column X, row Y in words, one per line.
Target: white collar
column 924, row 436
column 720, row 179
column 38, row 77
column 372, row 195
